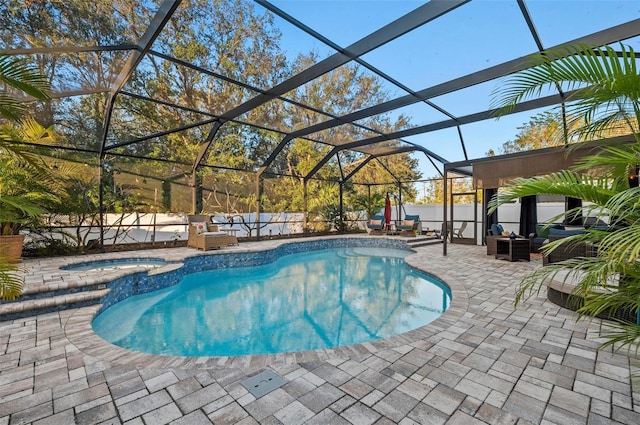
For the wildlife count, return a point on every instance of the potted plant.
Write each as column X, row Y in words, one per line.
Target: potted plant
column 604, row 84
column 17, row 80
column 25, row 187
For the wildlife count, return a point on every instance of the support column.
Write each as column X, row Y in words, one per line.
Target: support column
column 341, row 209
column 445, row 227
column 399, row 217
column 101, row 199
column 196, row 193
column 166, row 195
column 475, row 216
column 258, row 203
column 305, row 209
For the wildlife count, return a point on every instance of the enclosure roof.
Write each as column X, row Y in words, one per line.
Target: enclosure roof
column 436, row 62
column 497, row 171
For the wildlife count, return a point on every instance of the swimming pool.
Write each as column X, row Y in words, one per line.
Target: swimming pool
column 119, row 263
column 302, row 301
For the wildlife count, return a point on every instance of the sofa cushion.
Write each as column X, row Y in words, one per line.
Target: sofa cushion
column 562, row 232
column 572, row 228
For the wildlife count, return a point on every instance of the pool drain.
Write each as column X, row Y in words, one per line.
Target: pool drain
column 263, row 383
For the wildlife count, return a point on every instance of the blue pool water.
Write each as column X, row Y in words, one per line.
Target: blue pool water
column 121, row 263
column 305, row 301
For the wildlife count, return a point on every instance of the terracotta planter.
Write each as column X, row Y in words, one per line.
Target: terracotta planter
column 11, row 247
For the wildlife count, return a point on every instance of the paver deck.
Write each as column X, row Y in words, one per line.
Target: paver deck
column 483, row 361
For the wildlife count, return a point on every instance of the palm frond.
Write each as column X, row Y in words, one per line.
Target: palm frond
column 613, row 161
column 16, row 74
column 620, row 335
column 11, row 285
column 621, row 246
column 604, row 87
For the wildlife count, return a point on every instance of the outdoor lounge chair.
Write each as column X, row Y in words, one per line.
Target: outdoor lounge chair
column 376, row 225
column 204, row 235
column 458, row 230
column 409, row 225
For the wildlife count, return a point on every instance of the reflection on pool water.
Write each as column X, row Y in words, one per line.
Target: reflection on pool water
column 306, row 301
column 122, row 263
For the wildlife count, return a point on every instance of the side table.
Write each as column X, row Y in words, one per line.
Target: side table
column 512, row 249
column 231, row 235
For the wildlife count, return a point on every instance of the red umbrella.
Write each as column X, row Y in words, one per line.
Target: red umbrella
column 387, row 213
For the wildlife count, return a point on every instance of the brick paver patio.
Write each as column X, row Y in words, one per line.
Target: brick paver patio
column 482, row 362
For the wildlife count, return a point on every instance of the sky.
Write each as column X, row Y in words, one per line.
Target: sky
column 475, row 36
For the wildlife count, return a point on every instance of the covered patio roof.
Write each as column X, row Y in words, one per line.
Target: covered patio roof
column 495, row 171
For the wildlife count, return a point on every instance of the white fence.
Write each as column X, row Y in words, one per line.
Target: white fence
column 150, row 227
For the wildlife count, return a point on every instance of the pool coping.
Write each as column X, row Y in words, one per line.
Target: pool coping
column 80, row 333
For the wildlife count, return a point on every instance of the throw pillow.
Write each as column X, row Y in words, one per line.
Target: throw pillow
column 408, row 223
column 497, row 229
column 376, row 222
column 201, row 227
column 542, row 231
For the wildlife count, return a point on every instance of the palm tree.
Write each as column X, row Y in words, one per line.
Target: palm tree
column 604, row 88
column 17, row 81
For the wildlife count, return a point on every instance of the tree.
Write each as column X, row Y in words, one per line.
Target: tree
column 370, row 203
column 607, row 99
column 544, row 130
column 229, row 40
column 434, row 191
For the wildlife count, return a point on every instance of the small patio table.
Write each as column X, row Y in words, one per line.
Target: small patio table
column 512, row 249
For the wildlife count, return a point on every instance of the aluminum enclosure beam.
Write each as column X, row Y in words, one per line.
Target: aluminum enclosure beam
column 337, row 149
column 165, row 11
column 157, row 24
column 159, row 134
column 611, row 35
column 240, row 84
column 338, row 48
column 384, row 35
column 395, row 29
column 467, row 119
column 359, row 167
column 67, row 49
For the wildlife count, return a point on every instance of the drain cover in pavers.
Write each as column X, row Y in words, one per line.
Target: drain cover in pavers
column 263, row 383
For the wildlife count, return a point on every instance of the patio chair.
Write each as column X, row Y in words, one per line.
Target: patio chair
column 445, row 230
column 204, row 235
column 409, row 225
column 376, row 225
column 567, row 251
column 458, row 230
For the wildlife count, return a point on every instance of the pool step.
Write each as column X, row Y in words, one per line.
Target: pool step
column 422, row 241
column 23, row 307
column 35, row 292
